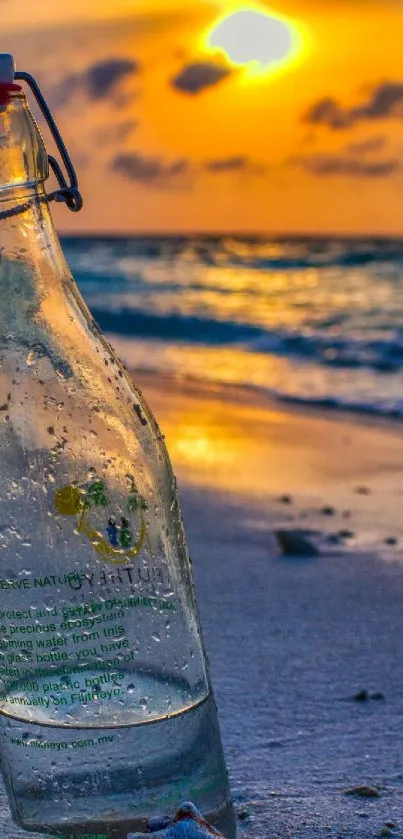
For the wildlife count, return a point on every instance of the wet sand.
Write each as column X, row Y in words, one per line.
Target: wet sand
column 295, row 641
column 285, row 466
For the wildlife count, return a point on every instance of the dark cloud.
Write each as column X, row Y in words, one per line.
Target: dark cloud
column 194, row 78
column 326, row 112
column 233, row 164
column 228, row 164
column 386, row 100
column 115, row 132
column 327, row 165
column 148, row 170
column 155, row 171
column 99, row 81
column 368, row 146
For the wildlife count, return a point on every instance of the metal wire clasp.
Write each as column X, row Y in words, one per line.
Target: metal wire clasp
column 68, row 192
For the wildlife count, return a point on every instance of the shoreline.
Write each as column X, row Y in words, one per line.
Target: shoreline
column 241, row 393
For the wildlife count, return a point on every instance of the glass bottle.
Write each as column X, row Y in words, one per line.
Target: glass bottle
column 106, row 712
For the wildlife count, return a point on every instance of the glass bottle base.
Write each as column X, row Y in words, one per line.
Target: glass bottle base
column 106, row 783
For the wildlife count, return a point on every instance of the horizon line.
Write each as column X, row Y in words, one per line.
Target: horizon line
column 258, row 234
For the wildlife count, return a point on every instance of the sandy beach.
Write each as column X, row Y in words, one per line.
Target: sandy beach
column 305, row 651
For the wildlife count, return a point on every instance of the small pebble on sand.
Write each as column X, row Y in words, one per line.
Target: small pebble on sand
column 363, row 792
column 364, row 695
column 285, row 499
column 361, row 696
column 295, row 543
column 363, row 490
column 391, row 540
column 328, row 511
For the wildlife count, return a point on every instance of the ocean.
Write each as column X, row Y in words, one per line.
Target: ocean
column 315, row 321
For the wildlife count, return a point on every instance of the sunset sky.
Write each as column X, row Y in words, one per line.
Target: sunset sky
column 168, row 135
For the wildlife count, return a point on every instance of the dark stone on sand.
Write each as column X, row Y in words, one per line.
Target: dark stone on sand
column 274, row 744
column 346, row 534
column 328, row 511
column 363, row 490
column 243, row 814
column 295, row 543
column 364, row 695
column 363, row 792
column 333, row 539
column 391, row 540
column 361, row 696
column 285, row 499
column 390, row 824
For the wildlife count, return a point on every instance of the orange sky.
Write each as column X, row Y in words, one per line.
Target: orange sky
column 314, row 147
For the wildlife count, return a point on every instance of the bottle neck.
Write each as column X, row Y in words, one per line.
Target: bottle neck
column 31, row 261
column 23, row 159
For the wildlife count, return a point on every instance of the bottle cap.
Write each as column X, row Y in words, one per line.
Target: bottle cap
column 7, row 69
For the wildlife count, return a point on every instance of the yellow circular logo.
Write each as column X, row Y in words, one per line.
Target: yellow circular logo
column 115, row 537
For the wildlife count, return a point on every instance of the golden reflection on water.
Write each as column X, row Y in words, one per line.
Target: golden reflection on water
column 238, row 294
column 206, row 450
column 214, row 444
column 195, row 443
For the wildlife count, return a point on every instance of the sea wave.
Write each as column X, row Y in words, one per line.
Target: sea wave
column 313, row 321
column 381, row 355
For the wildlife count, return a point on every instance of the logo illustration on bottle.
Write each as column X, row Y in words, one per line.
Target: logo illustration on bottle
column 114, row 536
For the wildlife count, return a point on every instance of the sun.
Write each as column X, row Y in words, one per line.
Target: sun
column 256, row 39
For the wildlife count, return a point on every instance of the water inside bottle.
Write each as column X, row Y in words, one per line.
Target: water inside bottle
column 85, row 779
